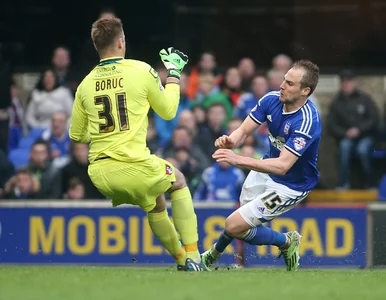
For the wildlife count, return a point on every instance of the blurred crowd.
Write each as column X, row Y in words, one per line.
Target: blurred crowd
column 39, row 161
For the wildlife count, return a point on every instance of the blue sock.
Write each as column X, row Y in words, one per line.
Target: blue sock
column 262, row 235
column 223, row 241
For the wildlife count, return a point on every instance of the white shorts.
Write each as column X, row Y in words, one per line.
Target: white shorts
column 263, row 199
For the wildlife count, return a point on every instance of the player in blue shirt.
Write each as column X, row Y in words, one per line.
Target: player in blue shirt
column 286, row 173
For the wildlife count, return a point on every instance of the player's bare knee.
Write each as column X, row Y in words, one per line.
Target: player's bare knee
column 180, row 181
column 231, row 227
column 160, row 204
column 235, row 226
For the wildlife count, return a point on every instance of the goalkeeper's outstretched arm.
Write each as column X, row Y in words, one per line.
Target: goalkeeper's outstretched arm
column 165, row 101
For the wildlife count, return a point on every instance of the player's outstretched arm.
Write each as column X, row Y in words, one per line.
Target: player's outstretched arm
column 165, row 101
column 277, row 166
column 237, row 137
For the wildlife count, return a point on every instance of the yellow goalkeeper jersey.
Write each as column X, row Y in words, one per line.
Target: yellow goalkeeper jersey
column 111, row 106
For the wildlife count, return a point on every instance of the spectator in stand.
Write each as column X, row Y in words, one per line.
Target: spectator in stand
column 41, row 166
column 165, row 128
column 275, row 79
column 7, row 170
column 206, row 65
column 247, row 69
column 259, row 87
column 188, row 166
column 209, row 92
column 220, row 182
column 215, row 128
column 46, row 100
column 17, row 125
column 78, row 167
column 199, row 113
column 152, row 139
column 353, row 121
column 187, row 119
column 281, row 62
column 231, row 85
column 206, row 87
column 182, row 138
column 23, row 186
column 57, row 136
column 65, row 75
column 76, row 190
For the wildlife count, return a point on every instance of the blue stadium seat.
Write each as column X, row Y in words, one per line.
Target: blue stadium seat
column 382, row 189
column 379, row 153
column 26, row 142
column 15, row 136
column 19, row 157
column 36, row 132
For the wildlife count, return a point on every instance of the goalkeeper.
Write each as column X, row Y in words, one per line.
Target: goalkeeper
column 110, row 111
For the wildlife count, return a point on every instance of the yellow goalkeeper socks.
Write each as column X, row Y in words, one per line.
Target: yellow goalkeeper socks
column 185, row 221
column 164, row 230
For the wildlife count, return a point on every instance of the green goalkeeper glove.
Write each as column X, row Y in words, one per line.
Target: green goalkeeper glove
column 174, row 60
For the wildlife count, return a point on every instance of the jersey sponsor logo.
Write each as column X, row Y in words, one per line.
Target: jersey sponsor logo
column 299, row 143
column 269, row 117
column 107, row 71
column 286, row 128
column 278, row 142
column 169, row 170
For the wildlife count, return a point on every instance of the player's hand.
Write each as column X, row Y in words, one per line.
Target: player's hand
column 226, row 155
column 174, row 60
column 224, row 142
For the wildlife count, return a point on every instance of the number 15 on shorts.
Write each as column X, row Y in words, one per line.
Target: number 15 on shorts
column 271, row 200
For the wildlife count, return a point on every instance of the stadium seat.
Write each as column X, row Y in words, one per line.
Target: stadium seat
column 15, row 136
column 19, row 157
column 379, row 153
column 26, row 142
column 35, row 132
column 382, row 189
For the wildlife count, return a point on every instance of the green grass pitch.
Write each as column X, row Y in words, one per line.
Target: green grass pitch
column 164, row 283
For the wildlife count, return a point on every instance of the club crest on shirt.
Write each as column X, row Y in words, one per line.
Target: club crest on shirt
column 153, row 73
column 286, row 128
column 299, row 143
column 169, row 170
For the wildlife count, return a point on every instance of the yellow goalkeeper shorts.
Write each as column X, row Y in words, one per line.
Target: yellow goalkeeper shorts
column 138, row 183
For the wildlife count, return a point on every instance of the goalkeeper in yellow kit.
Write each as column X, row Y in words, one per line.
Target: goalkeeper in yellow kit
column 110, row 111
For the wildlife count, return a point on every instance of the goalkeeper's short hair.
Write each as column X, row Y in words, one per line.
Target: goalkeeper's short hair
column 104, row 33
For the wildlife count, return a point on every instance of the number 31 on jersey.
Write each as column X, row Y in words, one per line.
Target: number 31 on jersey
column 106, row 112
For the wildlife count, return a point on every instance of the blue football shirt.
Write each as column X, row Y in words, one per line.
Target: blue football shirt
column 299, row 132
